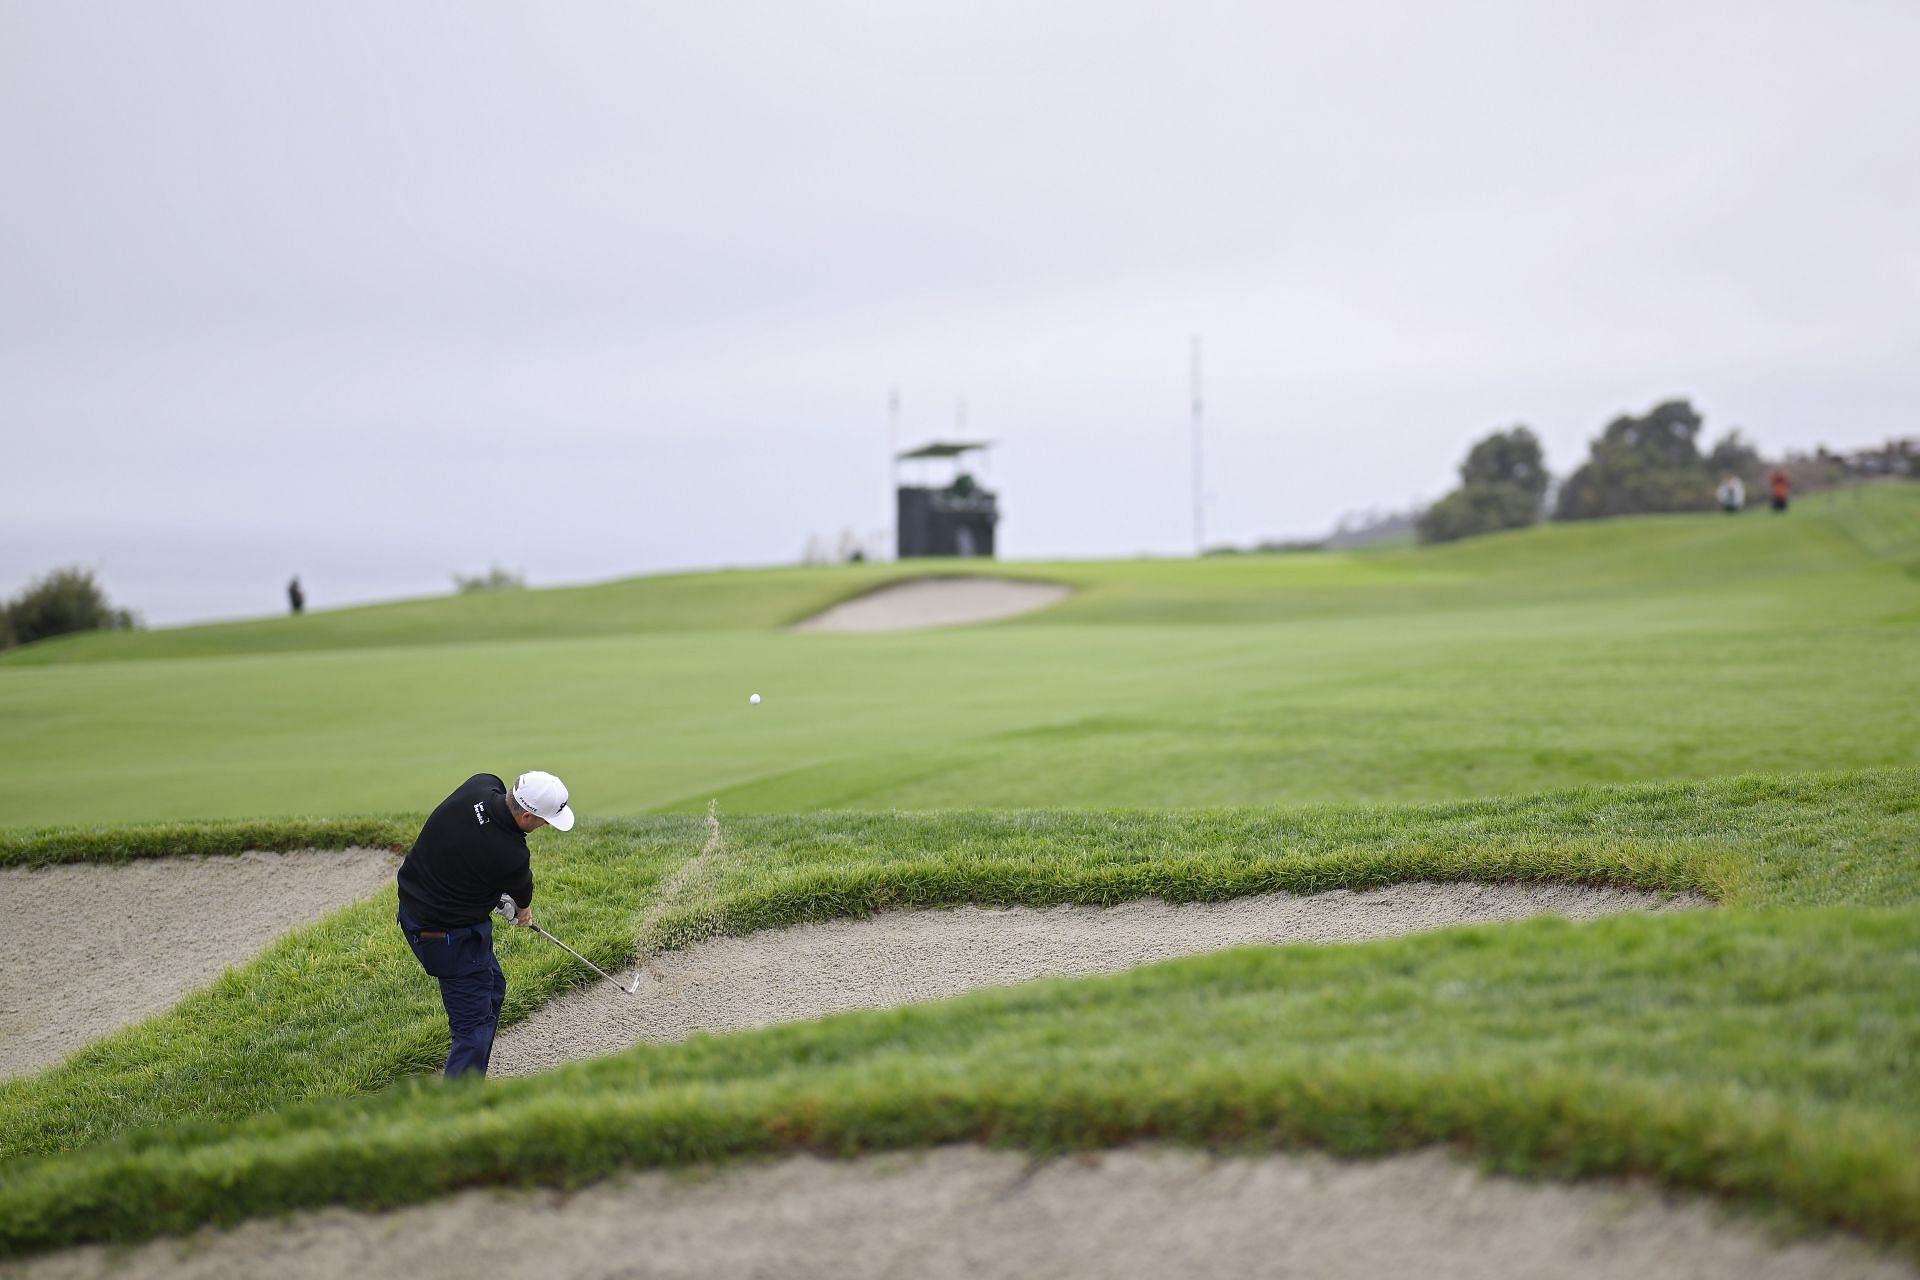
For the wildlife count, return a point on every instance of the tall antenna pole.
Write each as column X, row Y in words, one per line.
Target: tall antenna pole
column 1199, row 477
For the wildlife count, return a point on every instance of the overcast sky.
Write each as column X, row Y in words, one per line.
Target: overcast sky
column 377, row 292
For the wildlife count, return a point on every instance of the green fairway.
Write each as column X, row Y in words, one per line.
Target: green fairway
column 1672, row 647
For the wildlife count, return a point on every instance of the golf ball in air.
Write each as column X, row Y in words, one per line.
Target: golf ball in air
column 754, row 699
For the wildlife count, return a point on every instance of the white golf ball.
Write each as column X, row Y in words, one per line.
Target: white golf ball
column 755, row 699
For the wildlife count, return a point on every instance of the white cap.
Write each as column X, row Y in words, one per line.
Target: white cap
column 544, row 796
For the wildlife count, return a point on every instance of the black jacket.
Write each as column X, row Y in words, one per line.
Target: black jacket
column 466, row 856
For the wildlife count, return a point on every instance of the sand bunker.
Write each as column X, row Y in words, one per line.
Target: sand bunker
column 960, row 1211
column 957, row 1211
column 89, row 948
column 937, row 602
column 784, row 975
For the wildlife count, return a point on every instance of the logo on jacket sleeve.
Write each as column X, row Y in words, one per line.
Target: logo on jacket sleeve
column 480, row 813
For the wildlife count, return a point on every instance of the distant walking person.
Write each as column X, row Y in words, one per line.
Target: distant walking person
column 296, row 598
column 1782, row 485
column 472, row 849
column 1733, row 495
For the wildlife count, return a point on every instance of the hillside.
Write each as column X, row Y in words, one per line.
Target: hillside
column 1676, row 647
column 1647, row 554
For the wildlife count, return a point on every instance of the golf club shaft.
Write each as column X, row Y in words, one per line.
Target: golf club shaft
column 577, row 956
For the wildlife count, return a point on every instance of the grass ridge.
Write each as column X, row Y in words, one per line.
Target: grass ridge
column 1720, row 1145
column 1816, row 948
column 890, row 1080
column 47, row 846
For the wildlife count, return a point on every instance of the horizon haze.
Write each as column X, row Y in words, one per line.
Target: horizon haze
column 379, row 294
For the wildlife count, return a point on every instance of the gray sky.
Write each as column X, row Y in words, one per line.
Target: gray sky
column 376, row 292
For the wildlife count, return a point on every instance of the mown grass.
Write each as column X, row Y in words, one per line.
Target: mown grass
column 751, row 599
column 1763, row 1051
column 201, row 839
column 1671, row 648
column 1559, row 562
column 1701, row 1052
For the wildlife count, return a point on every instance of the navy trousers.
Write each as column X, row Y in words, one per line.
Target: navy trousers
column 471, row 987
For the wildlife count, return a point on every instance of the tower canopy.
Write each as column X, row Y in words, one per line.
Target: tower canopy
column 945, row 449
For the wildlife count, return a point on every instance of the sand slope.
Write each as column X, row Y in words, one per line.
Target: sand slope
column 89, row 948
column 937, row 602
column 783, row 975
column 960, row 1211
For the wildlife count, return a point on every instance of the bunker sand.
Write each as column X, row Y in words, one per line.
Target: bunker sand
column 785, row 975
column 924, row 603
column 961, row 1211
column 90, row 948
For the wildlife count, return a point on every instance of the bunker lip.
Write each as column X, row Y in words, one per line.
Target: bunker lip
column 962, row 1211
column 161, row 927
column 810, row 971
column 919, row 604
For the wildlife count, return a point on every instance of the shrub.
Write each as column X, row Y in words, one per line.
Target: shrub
column 1475, row 509
column 495, row 579
column 1503, row 484
column 64, row 601
column 1733, row 456
column 1642, row 466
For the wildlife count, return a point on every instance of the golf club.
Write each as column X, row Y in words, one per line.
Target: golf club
column 508, row 909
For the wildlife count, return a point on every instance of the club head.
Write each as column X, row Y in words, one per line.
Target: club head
column 634, row 987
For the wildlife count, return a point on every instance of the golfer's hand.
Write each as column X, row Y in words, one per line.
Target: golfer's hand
column 524, row 918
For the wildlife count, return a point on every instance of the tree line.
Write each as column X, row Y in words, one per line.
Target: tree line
column 1641, row 465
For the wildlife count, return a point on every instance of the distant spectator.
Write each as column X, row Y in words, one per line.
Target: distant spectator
column 296, row 598
column 1733, row 495
column 1782, row 485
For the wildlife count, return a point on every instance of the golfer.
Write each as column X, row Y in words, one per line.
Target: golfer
column 473, row 849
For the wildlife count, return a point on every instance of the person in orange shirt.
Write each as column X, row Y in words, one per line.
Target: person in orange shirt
column 1782, row 484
